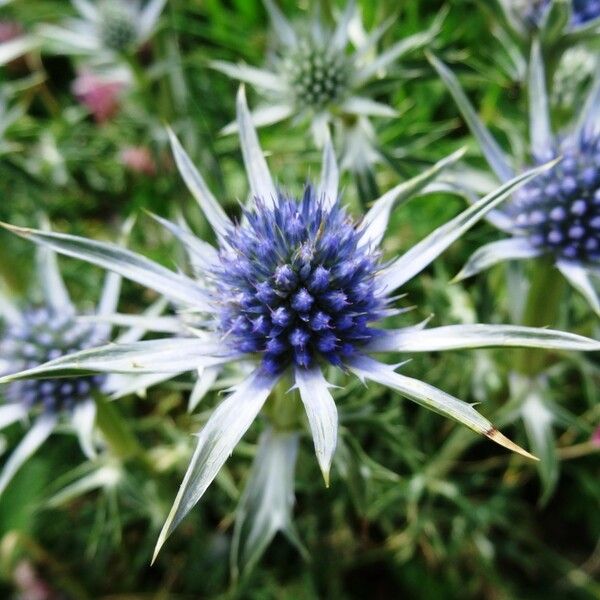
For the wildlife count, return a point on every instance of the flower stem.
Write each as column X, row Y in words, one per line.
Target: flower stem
column 283, row 408
column 541, row 310
column 118, row 436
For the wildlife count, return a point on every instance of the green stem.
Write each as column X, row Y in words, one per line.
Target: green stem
column 118, row 436
column 541, row 310
column 283, row 408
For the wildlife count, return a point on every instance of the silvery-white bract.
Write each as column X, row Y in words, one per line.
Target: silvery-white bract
column 321, row 75
column 558, row 214
column 103, row 30
column 294, row 286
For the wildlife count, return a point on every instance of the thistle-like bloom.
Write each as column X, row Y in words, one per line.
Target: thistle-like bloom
column 314, row 76
column 105, row 29
column 573, row 16
column 43, row 332
column 557, row 214
column 294, row 286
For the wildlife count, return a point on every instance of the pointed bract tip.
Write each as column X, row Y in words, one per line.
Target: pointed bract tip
column 460, row 276
column 326, row 476
column 499, row 438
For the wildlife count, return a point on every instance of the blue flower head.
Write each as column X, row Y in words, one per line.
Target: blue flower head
column 582, row 11
column 585, row 11
column 558, row 214
column 297, row 284
column 560, row 210
column 45, row 334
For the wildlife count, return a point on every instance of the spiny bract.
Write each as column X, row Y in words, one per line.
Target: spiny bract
column 46, row 335
column 560, row 210
column 298, row 283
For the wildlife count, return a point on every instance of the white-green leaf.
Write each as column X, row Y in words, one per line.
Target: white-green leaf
column 266, row 505
column 83, row 419
column 539, row 108
column 490, row 148
column 12, row 49
column 260, row 78
column 216, row 442
column 209, row 205
column 149, row 17
column 263, row 115
column 284, row 31
column 122, row 261
column 579, row 278
column 431, row 398
column 376, row 220
column 359, row 105
column 386, row 58
column 169, row 355
column 456, row 337
column 517, row 248
column 538, row 421
column 322, row 415
column 205, row 380
column 51, row 281
column 203, row 254
column 33, row 439
column 11, row 413
column 422, row 254
column 259, row 177
column 330, row 176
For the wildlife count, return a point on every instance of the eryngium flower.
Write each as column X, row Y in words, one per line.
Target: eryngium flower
column 537, row 14
column 294, row 286
column 105, row 29
column 301, row 284
column 582, row 11
column 560, row 211
column 315, row 75
column 46, row 332
column 558, row 214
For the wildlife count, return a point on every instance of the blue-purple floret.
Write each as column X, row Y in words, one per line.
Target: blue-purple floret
column 583, row 11
column 44, row 335
column 560, row 210
column 296, row 284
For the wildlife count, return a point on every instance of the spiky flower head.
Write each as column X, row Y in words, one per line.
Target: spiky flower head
column 301, row 285
column 560, row 210
column 317, row 75
column 558, row 214
column 117, row 27
column 104, row 30
column 45, row 334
